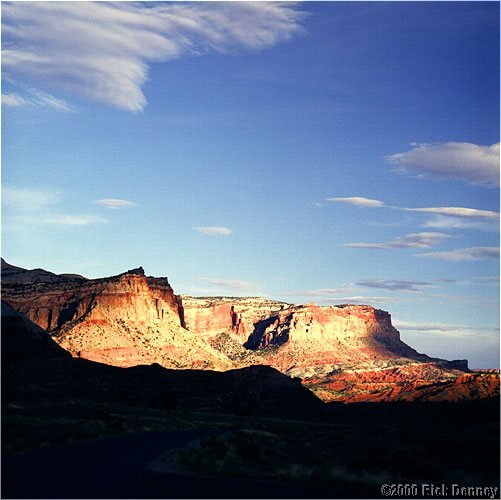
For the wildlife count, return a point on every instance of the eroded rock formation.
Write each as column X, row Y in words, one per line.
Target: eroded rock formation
column 207, row 316
column 123, row 320
column 343, row 353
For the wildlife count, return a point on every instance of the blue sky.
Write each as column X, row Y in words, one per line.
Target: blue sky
column 325, row 152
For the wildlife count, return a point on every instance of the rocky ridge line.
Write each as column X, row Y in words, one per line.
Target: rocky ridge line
column 342, row 353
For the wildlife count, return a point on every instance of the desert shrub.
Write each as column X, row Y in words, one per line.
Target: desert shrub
column 241, row 452
column 328, row 474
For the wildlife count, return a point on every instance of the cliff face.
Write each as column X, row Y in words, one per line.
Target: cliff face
column 290, row 337
column 342, row 353
column 341, row 323
column 123, row 320
column 346, row 353
column 132, row 297
column 207, row 316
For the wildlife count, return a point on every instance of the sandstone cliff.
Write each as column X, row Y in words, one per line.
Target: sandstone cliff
column 346, row 353
column 342, row 353
column 206, row 316
column 123, row 320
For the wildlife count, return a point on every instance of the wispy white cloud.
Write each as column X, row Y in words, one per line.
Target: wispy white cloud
column 360, row 300
column 359, row 201
column 218, row 285
column 442, row 328
column 464, row 161
column 344, row 295
column 443, row 222
column 56, row 220
column 14, row 100
column 323, row 292
column 461, row 212
column 37, row 99
column 29, row 199
column 115, row 204
column 412, row 240
column 486, row 279
column 442, row 217
column 102, row 50
column 38, row 206
column 459, row 218
column 213, row 230
column 464, row 254
column 45, row 100
column 395, row 285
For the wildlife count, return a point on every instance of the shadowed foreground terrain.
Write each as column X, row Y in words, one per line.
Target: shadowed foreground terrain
column 79, row 429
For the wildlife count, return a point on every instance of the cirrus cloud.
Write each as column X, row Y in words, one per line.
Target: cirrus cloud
column 37, row 99
column 359, row 201
column 395, row 285
column 115, row 204
column 462, row 212
column 29, row 199
column 40, row 207
column 102, row 50
column 213, row 230
column 55, row 220
column 442, row 328
column 411, row 240
column 14, row 100
column 441, row 217
column 463, row 161
column 218, row 285
column 464, row 254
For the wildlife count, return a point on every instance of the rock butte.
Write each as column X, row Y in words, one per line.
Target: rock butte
column 346, row 353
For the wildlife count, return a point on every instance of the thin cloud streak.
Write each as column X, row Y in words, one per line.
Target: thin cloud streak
column 231, row 285
column 411, row 240
column 395, row 285
column 361, row 300
column 322, row 292
column 358, row 201
column 14, row 100
column 462, row 212
column 102, row 50
column 37, row 99
column 443, row 328
column 213, row 230
column 38, row 207
column 443, row 222
column 443, row 217
column 29, row 199
column 115, row 204
column 57, row 220
column 343, row 295
column 464, row 254
column 486, row 279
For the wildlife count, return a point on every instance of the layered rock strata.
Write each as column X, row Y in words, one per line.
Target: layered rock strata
column 343, row 353
column 123, row 320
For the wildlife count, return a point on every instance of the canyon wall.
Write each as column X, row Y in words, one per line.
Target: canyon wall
column 130, row 297
column 342, row 353
column 123, row 320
